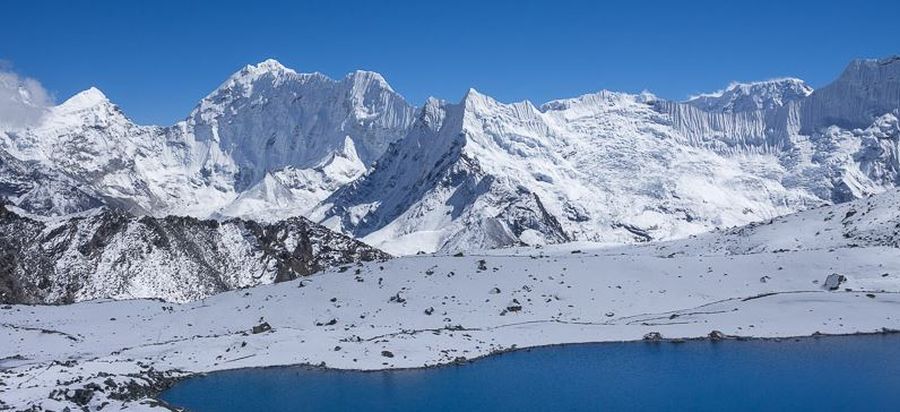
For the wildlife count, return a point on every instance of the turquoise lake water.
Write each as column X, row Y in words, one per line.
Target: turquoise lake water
column 832, row 373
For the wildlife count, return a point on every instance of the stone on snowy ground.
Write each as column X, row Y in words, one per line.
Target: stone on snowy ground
column 717, row 335
column 398, row 298
column 653, row 337
column 262, row 327
column 833, row 281
column 80, row 396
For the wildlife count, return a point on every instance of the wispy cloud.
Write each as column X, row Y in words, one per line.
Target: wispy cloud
column 23, row 100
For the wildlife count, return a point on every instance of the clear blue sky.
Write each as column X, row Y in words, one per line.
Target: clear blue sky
column 156, row 59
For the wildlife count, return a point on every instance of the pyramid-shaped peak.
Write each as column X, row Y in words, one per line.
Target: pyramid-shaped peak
column 363, row 79
column 85, row 99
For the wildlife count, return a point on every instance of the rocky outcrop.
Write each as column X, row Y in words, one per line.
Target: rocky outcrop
column 834, row 281
column 111, row 254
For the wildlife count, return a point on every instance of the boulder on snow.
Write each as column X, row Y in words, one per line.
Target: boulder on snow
column 717, row 335
column 262, row 327
column 833, row 281
column 653, row 337
column 80, row 397
column 397, row 298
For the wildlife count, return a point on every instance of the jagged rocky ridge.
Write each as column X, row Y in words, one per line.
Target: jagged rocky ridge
column 351, row 154
column 106, row 253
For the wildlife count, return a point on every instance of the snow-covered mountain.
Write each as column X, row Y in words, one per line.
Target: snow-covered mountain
column 270, row 143
column 616, row 167
column 106, row 253
column 744, row 97
column 265, row 125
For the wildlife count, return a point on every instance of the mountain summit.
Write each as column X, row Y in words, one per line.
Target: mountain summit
column 743, row 97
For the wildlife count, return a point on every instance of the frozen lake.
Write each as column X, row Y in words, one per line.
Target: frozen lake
column 832, row 373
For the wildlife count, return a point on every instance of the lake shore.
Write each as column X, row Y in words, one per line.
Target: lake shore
column 503, row 380
column 426, row 311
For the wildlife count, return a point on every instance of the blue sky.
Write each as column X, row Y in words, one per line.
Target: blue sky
column 156, row 59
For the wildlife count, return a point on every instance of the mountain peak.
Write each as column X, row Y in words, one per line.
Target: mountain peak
column 750, row 96
column 85, row 99
column 89, row 95
column 265, row 66
column 472, row 92
column 886, row 61
column 474, row 99
column 866, row 89
column 251, row 72
column 366, row 74
column 363, row 79
column 271, row 64
column 864, row 68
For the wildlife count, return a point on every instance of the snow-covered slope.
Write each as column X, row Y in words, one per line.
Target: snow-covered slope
column 868, row 222
column 308, row 132
column 44, row 192
column 270, row 143
column 267, row 117
column 109, row 254
column 615, row 167
column 420, row 311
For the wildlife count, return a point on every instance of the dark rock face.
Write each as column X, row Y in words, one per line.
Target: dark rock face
column 112, row 254
column 527, row 212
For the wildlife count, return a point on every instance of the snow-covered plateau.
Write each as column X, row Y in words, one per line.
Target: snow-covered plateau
column 827, row 270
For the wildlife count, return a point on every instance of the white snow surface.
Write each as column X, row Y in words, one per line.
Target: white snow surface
column 764, row 280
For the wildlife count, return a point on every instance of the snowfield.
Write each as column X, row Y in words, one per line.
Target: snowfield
column 767, row 280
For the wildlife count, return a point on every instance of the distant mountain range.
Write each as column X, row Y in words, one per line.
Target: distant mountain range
column 353, row 155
